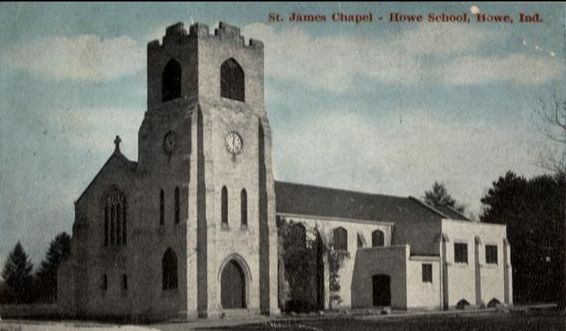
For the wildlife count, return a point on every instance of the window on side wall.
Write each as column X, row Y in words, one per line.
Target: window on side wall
column 491, row 254
column 104, row 282
column 460, row 253
column 427, row 273
column 124, row 282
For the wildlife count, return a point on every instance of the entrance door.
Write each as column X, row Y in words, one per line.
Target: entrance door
column 381, row 290
column 233, row 287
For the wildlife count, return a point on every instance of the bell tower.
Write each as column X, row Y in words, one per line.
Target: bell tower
column 206, row 129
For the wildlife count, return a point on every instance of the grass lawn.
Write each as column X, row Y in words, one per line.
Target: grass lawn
column 493, row 321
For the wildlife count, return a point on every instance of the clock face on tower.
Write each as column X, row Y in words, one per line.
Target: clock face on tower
column 169, row 142
column 233, row 143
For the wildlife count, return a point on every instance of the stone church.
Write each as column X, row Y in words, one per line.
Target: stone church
column 190, row 228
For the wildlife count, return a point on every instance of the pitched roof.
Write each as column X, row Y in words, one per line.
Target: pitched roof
column 451, row 213
column 327, row 202
column 116, row 155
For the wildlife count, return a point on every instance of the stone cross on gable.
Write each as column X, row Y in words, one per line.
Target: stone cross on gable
column 117, row 142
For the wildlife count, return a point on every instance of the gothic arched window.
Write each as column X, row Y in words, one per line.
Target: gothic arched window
column 299, row 235
column 177, row 208
column 115, row 217
column 169, row 270
column 340, row 239
column 377, row 239
column 244, row 207
column 161, row 207
column 232, row 84
column 171, row 81
column 224, row 205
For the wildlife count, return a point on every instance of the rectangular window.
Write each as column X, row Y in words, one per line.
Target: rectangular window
column 104, row 282
column 124, row 282
column 491, row 254
column 460, row 253
column 427, row 273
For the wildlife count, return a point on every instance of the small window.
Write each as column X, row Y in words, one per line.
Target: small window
column 244, row 208
column 224, row 205
column 104, row 282
column 299, row 235
column 124, row 282
column 427, row 273
column 340, row 239
column 177, row 207
column 377, row 239
column 460, row 253
column 161, row 207
column 491, row 254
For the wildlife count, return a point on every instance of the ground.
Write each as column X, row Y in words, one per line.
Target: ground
column 480, row 321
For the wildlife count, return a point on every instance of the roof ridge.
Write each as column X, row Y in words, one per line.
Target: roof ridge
column 342, row 190
column 426, row 205
column 121, row 157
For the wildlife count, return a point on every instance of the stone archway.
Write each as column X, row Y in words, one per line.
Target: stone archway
column 233, row 286
column 234, row 279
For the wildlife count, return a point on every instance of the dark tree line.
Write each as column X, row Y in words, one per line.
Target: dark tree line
column 534, row 211
column 19, row 285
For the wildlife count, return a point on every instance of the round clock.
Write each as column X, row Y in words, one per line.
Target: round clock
column 233, row 143
column 170, row 142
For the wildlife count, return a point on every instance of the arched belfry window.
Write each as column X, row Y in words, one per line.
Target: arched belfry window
column 340, row 239
column 171, row 81
column 169, row 270
column 232, row 83
column 115, row 217
column 224, row 205
column 244, row 208
column 377, row 239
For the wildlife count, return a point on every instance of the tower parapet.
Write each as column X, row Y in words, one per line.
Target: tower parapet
column 177, row 34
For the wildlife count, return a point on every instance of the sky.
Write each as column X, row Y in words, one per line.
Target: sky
column 383, row 107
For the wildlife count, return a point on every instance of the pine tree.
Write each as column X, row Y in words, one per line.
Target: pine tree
column 17, row 276
column 58, row 251
column 438, row 197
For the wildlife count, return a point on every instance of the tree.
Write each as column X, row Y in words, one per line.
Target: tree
column 554, row 158
column 553, row 127
column 439, row 197
column 533, row 210
column 17, row 276
column 58, row 251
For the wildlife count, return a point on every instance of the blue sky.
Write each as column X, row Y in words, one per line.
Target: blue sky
column 380, row 107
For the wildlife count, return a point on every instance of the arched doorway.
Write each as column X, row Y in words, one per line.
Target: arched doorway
column 233, row 286
column 381, row 290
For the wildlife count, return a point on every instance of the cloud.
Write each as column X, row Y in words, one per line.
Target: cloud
column 85, row 57
column 444, row 39
column 331, row 63
column 94, row 129
column 386, row 156
column 515, row 68
column 335, row 63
